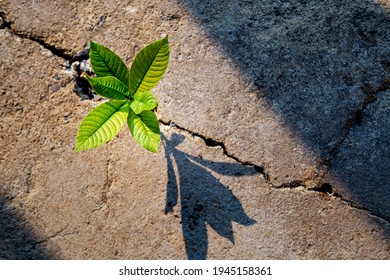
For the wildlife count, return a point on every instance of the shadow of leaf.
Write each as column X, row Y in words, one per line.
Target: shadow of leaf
column 204, row 200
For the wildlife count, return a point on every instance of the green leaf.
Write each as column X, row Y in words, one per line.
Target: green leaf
column 143, row 101
column 109, row 87
column 145, row 129
column 101, row 124
column 106, row 63
column 149, row 66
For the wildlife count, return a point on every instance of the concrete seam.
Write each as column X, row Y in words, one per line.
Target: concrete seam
column 371, row 95
column 108, row 183
column 213, row 143
column 323, row 188
column 330, row 192
column 59, row 52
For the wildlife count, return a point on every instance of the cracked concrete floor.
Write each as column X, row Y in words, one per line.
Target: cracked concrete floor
column 274, row 122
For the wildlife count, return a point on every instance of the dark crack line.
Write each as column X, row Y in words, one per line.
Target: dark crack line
column 54, row 235
column 356, row 117
column 27, row 179
column 366, row 210
column 213, row 143
column 73, row 61
column 107, row 184
column 59, row 52
column 289, row 185
column 327, row 189
column 324, row 188
column 3, row 22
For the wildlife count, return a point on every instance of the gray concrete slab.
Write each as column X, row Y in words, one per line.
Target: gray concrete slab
column 266, row 107
column 361, row 167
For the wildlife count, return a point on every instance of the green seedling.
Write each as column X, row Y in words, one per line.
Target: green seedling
column 129, row 94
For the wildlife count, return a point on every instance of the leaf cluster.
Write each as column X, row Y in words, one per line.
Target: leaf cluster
column 129, row 94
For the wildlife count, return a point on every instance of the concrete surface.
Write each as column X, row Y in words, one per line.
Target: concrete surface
column 274, row 122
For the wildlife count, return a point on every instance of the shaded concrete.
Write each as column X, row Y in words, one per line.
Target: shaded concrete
column 17, row 240
column 364, row 159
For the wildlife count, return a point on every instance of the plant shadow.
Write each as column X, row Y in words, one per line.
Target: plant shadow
column 204, row 200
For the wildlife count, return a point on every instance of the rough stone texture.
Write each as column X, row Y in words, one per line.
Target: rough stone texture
column 362, row 165
column 269, row 107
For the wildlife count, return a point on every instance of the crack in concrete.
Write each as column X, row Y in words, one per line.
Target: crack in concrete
column 324, row 188
column 366, row 210
column 108, row 183
column 327, row 189
column 213, row 143
column 356, row 117
column 79, row 67
column 27, row 179
column 75, row 62
column 3, row 22
column 321, row 187
column 54, row 235
column 59, row 52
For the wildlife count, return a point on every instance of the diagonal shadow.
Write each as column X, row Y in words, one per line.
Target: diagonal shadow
column 204, row 200
column 315, row 63
column 17, row 242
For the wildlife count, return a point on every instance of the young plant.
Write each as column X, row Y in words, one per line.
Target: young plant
column 129, row 94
